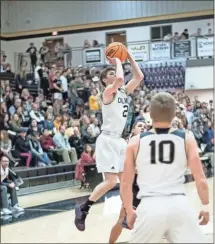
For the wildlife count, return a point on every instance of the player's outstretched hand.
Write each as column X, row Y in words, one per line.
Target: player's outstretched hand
column 131, row 217
column 113, row 61
column 204, row 218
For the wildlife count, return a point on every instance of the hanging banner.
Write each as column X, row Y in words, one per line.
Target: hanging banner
column 205, row 46
column 160, row 50
column 140, row 52
column 164, row 75
column 93, row 56
column 181, row 49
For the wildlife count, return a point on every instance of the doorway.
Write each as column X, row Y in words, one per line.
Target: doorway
column 116, row 37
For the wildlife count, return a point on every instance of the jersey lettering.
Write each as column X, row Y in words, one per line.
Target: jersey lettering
column 125, row 111
column 161, row 152
column 122, row 100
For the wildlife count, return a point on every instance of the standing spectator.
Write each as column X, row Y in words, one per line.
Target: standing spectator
column 185, row 34
column 33, row 55
column 68, row 53
column 64, row 85
column 61, row 141
column 44, row 51
column 57, row 93
column 8, row 186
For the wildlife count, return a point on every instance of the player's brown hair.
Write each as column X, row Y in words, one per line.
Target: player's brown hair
column 104, row 74
column 163, row 107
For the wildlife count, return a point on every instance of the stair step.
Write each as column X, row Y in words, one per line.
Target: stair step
column 47, row 179
column 41, row 171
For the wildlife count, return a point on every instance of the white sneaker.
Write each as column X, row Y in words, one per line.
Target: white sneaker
column 16, row 208
column 6, row 211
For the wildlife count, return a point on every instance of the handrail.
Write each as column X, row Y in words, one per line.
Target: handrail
column 194, row 47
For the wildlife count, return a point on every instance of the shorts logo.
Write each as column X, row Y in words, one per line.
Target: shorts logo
column 113, row 167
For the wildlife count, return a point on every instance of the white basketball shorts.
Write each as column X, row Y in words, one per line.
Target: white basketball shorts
column 171, row 217
column 110, row 153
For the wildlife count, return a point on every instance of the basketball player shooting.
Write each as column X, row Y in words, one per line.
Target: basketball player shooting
column 161, row 157
column 110, row 146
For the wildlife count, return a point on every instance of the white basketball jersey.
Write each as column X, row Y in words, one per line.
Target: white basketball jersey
column 115, row 114
column 161, row 163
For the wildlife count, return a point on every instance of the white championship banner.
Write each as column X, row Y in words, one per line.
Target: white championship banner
column 160, row 50
column 205, row 46
column 140, row 52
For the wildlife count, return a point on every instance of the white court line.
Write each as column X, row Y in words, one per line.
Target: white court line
column 44, row 209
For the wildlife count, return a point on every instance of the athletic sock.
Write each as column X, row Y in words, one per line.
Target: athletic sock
column 87, row 205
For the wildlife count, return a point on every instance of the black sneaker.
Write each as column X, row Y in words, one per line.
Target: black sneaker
column 80, row 217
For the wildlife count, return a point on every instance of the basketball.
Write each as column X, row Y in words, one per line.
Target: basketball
column 116, row 50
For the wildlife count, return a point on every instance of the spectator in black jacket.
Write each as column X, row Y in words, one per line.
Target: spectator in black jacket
column 76, row 142
column 88, row 137
column 8, row 186
column 22, row 148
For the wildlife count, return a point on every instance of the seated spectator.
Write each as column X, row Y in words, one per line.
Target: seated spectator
column 87, row 158
column 8, row 186
column 14, row 107
column 36, row 115
column 76, row 141
column 208, row 134
column 185, row 34
column 189, row 130
column 34, row 128
column 15, row 123
column 26, row 119
column 210, row 32
column 95, row 127
column 61, row 141
column 197, row 133
column 93, row 101
column 25, row 95
column 37, row 150
column 9, row 100
column 6, row 125
column 22, row 148
column 6, row 147
column 89, row 137
column 49, row 124
column 57, row 122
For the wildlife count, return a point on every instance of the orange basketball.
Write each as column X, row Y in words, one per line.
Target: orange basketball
column 116, row 50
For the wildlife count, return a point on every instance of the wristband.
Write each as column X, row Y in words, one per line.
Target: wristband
column 205, row 208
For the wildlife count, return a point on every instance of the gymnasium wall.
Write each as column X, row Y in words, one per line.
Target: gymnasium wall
column 133, row 34
column 199, row 78
column 203, row 95
column 19, row 16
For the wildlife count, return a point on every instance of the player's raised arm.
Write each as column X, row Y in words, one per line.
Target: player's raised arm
column 118, row 80
column 194, row 163
column 137, row 75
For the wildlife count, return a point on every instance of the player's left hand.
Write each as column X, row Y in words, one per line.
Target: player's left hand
column 131, row 217
column 113, row 61
column 204, row 217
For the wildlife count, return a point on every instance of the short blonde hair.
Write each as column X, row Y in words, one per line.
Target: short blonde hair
column 163, row 107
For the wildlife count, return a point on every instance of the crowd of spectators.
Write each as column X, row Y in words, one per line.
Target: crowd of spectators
column 62, row 122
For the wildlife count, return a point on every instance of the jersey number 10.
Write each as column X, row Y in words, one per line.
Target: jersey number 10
column 161, row 152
